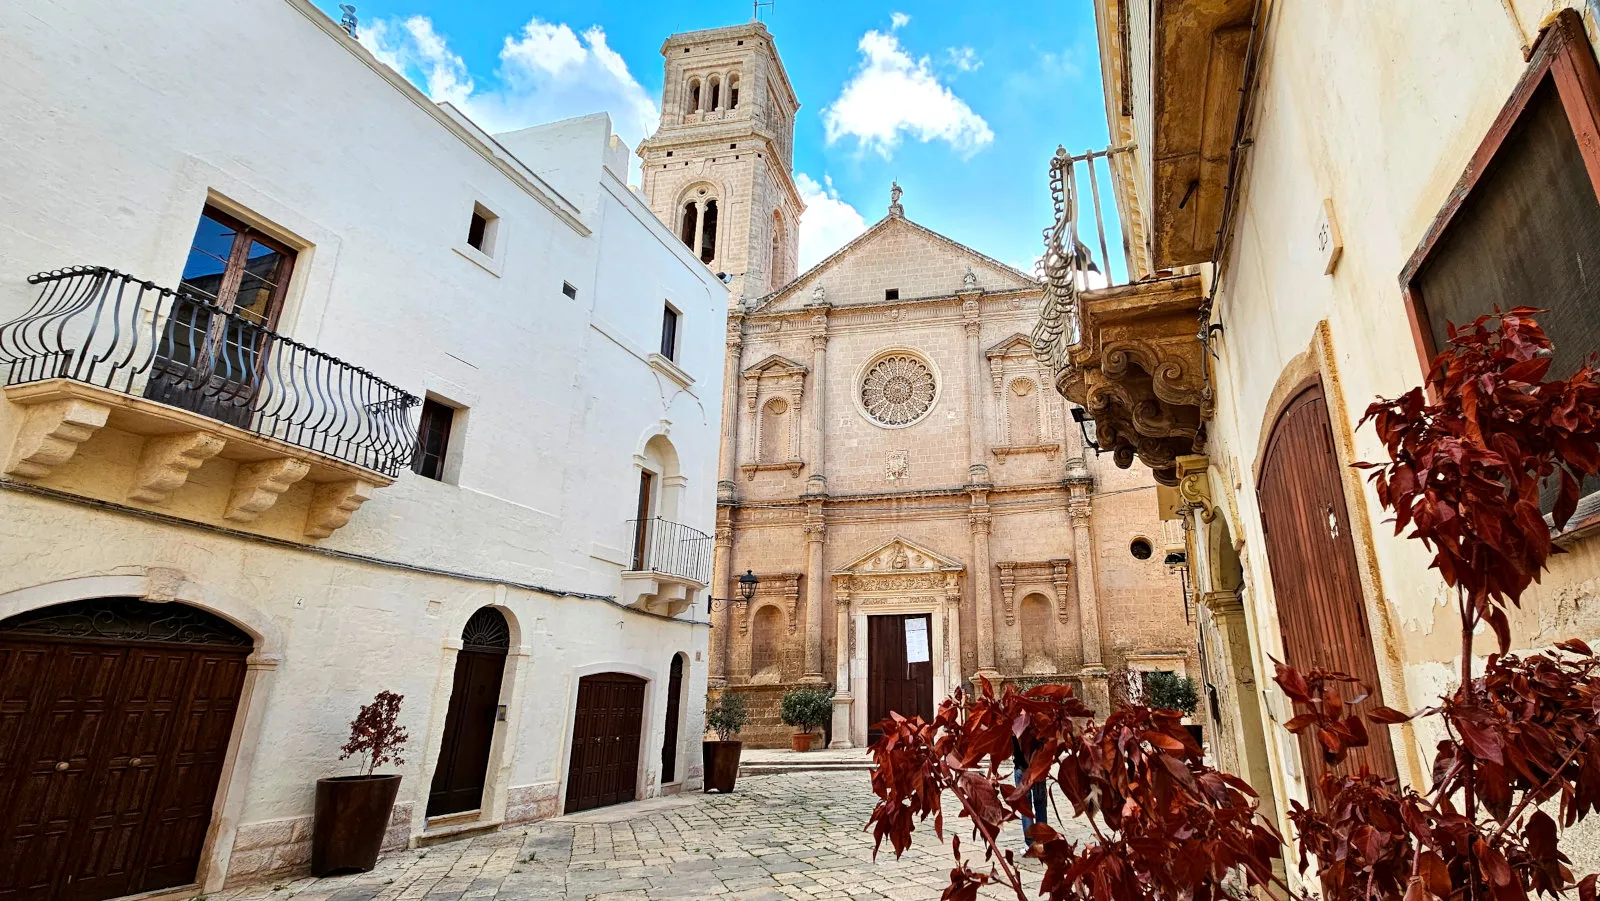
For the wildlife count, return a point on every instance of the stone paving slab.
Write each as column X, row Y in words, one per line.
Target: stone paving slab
column 776, row 838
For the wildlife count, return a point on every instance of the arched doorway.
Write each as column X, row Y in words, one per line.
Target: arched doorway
column 604, row 767
column 474, row 708
column 669, row 739
column 115, row 716
column 1315, row 579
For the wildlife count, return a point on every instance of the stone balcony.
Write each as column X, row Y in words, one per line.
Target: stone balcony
column 670, row 566
column 125, row 392
column 1129, row 354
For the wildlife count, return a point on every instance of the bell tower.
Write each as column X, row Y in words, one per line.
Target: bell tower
column 719, row 170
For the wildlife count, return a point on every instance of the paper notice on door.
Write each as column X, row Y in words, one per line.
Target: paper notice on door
column 917, row 650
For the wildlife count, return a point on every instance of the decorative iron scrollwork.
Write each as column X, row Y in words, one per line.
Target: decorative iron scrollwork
column 486, row 631
column 127, row 620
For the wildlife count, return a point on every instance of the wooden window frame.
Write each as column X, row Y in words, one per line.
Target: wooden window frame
column 238, row 254
column 671, row 326
column 1564, row 55
column 449, row 438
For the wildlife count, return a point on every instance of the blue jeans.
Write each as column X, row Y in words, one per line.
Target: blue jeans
column 1038, row 796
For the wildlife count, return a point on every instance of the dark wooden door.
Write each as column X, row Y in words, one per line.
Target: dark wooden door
column 1321, row 608
column 669, row 739
column 460, row 776
column 605, row 741
column 110, row 750
column 899, row 668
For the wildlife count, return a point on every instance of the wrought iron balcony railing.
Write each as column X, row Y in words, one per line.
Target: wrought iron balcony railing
column 671, row 548
column 1070, row 266
column 108, row 329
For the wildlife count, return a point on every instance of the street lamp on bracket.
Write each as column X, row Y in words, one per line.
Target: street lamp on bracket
column 747, row 590
column 1090, row 429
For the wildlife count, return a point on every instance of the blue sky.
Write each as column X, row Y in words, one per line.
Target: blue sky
column 963, row 103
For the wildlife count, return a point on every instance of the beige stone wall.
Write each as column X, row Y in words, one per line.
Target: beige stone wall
column 995, row 426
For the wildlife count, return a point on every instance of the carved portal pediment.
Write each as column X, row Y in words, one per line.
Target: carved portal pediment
column 1139, row 370
column 1018, row 345
column 774, row 366
column 900, row 566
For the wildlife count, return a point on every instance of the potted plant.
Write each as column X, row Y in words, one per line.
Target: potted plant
column 1170, row 691
column 806, row 709
column 727, row 718
column 353, row 811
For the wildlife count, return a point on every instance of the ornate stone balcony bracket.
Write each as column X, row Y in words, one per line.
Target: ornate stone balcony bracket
column 167, row 460
column 50, row 434
column 1141, row 373
column 257, row 486
column 333, row 503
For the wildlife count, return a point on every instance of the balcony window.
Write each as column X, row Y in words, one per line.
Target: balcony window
column 433, row 439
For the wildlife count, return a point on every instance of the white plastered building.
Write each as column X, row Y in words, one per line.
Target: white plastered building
column 380, row 404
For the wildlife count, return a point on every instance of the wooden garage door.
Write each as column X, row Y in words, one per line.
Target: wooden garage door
column 605, row 741
column 1315, row 581
column 115, row 717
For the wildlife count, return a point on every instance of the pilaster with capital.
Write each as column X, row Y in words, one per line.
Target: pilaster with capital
column 721, row 583
column 816, row 531
column 1079, row 509
column 817, row 482
column 843, row 690
column 979, row 518
column 730, row 409
column 977, row 443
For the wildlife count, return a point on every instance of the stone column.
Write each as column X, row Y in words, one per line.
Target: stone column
column 722, row 585
column 1249, row 738
column 977, row 443
column 843, row 696
column 816, row 532
column 699, row 226
column 729, row 461
column 817, row 482
column 1097, row 691
column 979, row 519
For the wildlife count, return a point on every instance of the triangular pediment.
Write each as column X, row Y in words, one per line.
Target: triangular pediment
column 776, row 364
column 898, row 557
column 899, row 254
column 1018, row 345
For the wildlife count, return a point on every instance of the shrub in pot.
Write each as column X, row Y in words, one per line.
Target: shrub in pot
column 806, row 709
column 726, row 717
column 353, row 811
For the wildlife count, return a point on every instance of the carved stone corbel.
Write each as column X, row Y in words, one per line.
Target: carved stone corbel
column 1059, row 578
column 332, row 505
column 50, row 435
column 1008, row 591
column 257, row 486
column 1194, row 486
column 167, row 460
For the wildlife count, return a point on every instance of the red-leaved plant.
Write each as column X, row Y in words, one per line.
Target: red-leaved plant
column 375, row 733
column 1464, row 475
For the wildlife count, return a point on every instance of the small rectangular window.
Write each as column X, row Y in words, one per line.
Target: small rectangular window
column 892, row 294
column 669, row 333
column 433, row 439
column 481, row 230
column 569, row 290
column 477, row 230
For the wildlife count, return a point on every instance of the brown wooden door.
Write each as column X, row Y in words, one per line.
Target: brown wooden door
column 899, row 668
column 463, row 767
column 1315, row 580
column 604, row 767
column 110, row 752
column 669, row 739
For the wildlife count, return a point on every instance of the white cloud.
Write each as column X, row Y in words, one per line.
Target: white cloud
column 828, row 222
column 963, row 59
column 894, row 95
column 546, row 72
column 899, row 20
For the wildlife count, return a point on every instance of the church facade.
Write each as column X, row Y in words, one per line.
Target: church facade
column 917, row 504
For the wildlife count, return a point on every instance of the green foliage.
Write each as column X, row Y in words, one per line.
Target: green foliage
column 806, row 708
column 728, row 716
column 1170, row 691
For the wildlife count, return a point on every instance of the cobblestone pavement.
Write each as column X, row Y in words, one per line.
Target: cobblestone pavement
column 797, row 835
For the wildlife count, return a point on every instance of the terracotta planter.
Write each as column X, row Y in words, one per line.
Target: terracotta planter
column 721, row 764
column 352, row 817
column 801, row 741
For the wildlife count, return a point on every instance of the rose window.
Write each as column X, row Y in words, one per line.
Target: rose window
column 898, row 390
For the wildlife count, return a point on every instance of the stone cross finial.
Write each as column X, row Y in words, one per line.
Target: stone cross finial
column 895, row 193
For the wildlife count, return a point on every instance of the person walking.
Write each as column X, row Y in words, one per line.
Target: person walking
column 1037, row 793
